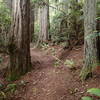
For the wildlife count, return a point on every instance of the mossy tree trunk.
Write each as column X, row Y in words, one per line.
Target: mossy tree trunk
column 90, row 46
column 19, row 39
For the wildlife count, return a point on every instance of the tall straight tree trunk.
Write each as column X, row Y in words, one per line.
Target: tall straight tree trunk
column 90, row 47
column 32, row 21
column 19, row 41
column 44, row 22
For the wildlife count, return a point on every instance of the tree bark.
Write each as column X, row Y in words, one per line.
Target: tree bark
column 19, row 40
column 44, row 22
column 32, row 21
column 90, row 47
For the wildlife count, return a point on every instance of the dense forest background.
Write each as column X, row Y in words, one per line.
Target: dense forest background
column 49, row 49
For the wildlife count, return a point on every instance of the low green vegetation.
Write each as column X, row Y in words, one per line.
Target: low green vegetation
column 94, row 92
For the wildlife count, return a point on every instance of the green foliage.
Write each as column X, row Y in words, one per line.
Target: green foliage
column 93, row 91
column 5, row 21
column 7, row 90
column 2, row 95
column 58, row 34
column 44, row 46
column 93, row 35
column 12, row 77
column 98, row 8
column 11, row 88
column 87, row 98
column 64, row 26
column 57, row 63
column 35, row 1
column 75, row 20
column 1, row 59
column 1, row 85
column 36, row 32
column 69, row 63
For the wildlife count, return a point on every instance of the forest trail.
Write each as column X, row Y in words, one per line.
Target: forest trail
column 47, row 82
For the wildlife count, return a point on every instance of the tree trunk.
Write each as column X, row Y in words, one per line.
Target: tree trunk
column 90, row 47
column 98, row 42
column 19, row 41
column 44, row 23
column 32, row 21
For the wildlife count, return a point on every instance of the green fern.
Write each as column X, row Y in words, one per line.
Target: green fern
column 93, row 91
column 87, row 98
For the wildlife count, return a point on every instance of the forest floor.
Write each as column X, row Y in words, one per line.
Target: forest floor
column 49, row 82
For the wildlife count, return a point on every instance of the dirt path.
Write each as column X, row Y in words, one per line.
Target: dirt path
column 47, row 82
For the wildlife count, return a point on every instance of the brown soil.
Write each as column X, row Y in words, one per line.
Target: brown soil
column 47, row 82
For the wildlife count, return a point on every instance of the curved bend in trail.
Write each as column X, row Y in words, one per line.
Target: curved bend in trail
column 47, row 82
